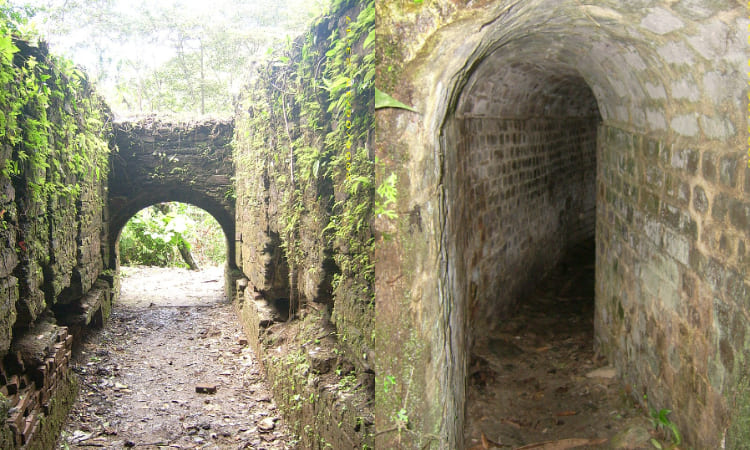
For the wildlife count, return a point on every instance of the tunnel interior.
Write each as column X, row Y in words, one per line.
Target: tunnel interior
column 525, row 134
column 526, row 139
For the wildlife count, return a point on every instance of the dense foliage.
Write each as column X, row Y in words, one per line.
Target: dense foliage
column 155, row 236
column 306, row 123
column 53, row 128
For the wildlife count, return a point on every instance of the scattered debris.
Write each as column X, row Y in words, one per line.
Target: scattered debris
column 205, row 388
column 141, row 375
column 562, row 444
column 536, row 377
column 267, row 424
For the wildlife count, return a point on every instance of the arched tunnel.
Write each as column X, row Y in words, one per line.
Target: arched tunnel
column 545, row 124
column 404, row 251
column 158, row 162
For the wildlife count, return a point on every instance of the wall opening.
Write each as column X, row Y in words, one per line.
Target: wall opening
column 175, row 242
column 524, row 211
column 173, row 353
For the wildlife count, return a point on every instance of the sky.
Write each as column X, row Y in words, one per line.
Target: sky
column 276, row 19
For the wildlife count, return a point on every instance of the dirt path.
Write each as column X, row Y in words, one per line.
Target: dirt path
column 537, row 379
column 171, row 331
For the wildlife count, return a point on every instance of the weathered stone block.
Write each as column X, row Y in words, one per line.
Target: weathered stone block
column 677, row 246
column 661, row 21
column 737, row 290
column 684, row 88
column 8, row 260
column 739, row 215
column 728, row 171
column 721, row 206
column 650, row 202
column 708, row 166
column 8, row 299
column 700, row 201
column 685, row 159
column 717, row 127
column 685, row 125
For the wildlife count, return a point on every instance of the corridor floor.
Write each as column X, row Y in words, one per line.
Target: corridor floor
column 170, row 333
column 536, row 382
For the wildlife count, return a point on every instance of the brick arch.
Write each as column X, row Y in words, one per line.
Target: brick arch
column 520, row 138
column 157, row 162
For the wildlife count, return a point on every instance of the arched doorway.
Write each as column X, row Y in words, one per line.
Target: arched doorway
column 176, row 242
column 523, row 140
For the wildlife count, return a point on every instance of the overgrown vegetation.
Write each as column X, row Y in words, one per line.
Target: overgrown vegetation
column 172, row 235
column 167, row 56
column 306, row 123
column 53, row 130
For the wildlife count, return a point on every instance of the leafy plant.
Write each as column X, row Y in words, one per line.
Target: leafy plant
column 388, row 382
column 387, row 197
column 156, row 235
column 383, row 100
column 661, row 422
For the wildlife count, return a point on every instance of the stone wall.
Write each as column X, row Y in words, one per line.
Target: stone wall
column 305, row 188
column 671, row 202
column 672, row 286
column 161, row 161
column 54, row 159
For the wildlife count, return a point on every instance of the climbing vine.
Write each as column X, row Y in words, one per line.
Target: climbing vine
column 305, row 129
column 53, row 131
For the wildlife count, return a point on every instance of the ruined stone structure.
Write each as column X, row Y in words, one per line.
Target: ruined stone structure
column 59, row 251
column 538, row 119
column 53, row 230
column 306, row 300
column 63, row 205
column 540, row 124
column 158, row 161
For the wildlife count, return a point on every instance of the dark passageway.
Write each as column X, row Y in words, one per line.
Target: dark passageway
column 536, row 376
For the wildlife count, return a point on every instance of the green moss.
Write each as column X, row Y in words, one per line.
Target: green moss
column 307, row 130
column 738, row 434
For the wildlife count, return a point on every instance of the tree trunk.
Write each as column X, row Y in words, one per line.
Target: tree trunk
column 187, row 256
column 203, row 82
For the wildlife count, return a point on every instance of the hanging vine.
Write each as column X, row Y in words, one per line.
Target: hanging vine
column 306, row 125
column 53, row 128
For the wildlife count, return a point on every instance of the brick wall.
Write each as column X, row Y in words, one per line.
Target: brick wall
column 52, row 230
column 529, row 193
column 673, row 215
column 671, row 234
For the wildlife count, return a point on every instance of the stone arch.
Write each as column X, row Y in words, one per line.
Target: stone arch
column 652, row 74
column 157, row 162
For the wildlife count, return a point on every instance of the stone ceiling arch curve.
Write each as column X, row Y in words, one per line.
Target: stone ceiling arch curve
column 156, row 162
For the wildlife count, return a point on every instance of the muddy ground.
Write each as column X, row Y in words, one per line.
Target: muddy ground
column 536, row 382
column 171, row 332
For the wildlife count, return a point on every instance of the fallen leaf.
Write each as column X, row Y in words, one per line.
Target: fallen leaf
column 603, row 372
column 514, row 423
